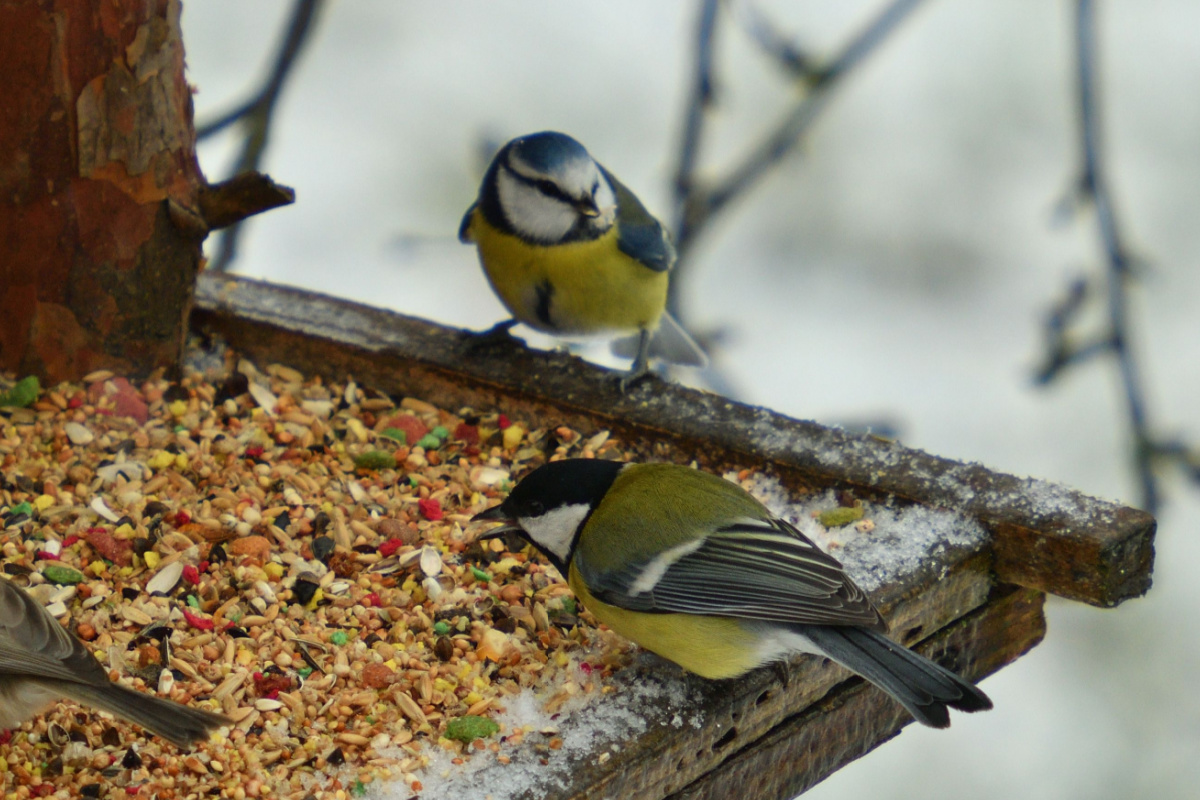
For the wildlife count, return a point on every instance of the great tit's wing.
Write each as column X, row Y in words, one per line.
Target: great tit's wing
column 639, row 235
column 464, row 228
column 761, row 569
column 32, row 642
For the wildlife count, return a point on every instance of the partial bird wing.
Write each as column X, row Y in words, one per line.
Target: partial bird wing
column 464, row 227
column 33, row 643
column 761, row 569
column 670, row 342
column 639, row 235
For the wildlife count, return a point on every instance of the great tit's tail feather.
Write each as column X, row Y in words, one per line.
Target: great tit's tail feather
column 924, row 688
column 670, row 342
column 179, row 724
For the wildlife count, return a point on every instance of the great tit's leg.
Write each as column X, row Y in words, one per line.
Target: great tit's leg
column 641, row 363
column 498, row 334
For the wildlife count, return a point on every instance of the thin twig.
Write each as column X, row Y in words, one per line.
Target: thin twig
column 699, row 205
column 1095, row 181
column 1093, row 187
column 257, row 113
column 787, row 54
column 698, row 105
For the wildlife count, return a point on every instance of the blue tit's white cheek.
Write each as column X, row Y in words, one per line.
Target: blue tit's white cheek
column 606, row 201
column 533, row 214
column 555, row 530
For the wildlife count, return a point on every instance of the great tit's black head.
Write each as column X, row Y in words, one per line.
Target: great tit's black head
column 549, row 189
column 550, row 505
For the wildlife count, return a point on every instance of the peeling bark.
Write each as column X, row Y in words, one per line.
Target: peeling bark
column 96, row 147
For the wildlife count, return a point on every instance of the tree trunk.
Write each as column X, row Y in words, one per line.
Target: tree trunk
column 100, row 235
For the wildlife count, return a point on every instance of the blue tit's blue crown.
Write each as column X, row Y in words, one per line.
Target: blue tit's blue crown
column 548, row 151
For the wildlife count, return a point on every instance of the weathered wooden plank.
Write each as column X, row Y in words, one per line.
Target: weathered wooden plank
column 1046, row 537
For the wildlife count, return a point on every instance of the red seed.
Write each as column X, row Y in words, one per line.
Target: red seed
column 430, row 509
column 191, row 574
column 467, row 433
column 197, row 621
column 390, row 546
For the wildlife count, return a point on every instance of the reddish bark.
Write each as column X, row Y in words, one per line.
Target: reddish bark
column 97, row 166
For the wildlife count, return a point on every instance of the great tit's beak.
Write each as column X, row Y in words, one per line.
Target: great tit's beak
column 587, row 206
column 496, row 514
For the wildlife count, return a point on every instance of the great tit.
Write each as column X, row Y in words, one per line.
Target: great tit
column 41, row 663
column 571, row 252
column 692, row 567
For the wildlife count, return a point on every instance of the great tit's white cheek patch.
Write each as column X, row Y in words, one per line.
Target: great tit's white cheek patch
column 533, row 214
column 555, row 530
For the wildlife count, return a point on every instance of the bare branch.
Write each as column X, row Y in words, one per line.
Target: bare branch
column 1092, row 187
column 257, row 113
column 697, row 205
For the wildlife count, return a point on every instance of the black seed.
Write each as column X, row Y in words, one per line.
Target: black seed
column 235, row 385
column 155, row 509
column 131, row 760
column 443, row 648
column 322, row 548
column 176, row 392
column 336, row 758
column 303, row 591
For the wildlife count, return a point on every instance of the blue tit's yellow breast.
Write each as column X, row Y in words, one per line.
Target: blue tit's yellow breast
column 581, row 288
column 711, row 647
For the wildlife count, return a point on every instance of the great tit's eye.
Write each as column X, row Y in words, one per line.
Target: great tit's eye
column 536, row 508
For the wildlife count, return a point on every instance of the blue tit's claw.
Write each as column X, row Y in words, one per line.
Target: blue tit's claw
column 635, row 375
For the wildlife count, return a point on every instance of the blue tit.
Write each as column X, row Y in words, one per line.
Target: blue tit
column 571, row 252
column 693, row 568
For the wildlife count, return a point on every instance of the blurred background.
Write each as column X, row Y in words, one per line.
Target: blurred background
column 896, row 269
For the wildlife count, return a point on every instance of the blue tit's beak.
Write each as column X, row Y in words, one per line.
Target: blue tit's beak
column 496, row 514
column 587, row 206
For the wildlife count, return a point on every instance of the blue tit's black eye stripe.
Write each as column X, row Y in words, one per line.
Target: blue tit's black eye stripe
column 550, row 189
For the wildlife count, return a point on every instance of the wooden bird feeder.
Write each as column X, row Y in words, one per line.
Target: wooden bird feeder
column 975, row 609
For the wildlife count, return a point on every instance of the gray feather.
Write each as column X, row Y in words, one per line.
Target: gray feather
column 40, row 662
column 924, row 688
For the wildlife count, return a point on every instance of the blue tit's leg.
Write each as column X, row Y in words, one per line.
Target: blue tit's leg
column 641, row 363
column 494, row 336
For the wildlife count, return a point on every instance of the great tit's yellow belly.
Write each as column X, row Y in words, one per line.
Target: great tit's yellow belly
column 711, row 647
column 580, row 288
